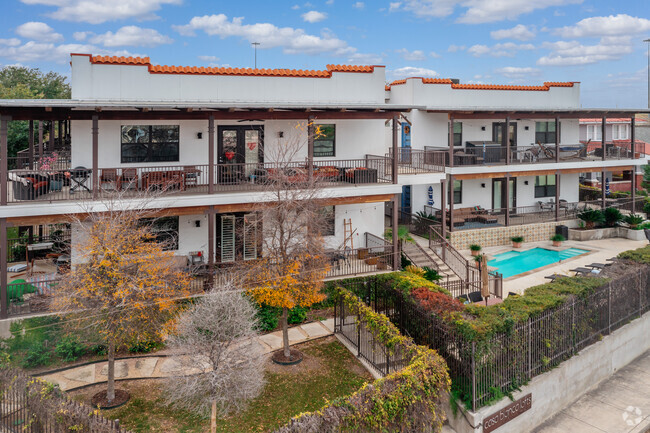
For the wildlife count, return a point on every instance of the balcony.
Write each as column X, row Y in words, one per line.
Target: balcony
column 59, row 183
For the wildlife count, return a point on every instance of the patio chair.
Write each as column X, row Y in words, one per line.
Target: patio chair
column 545, row 205
column 129, row 177
column 475, row 296
column 108, row 175
column 191, row 175
column 580, row 153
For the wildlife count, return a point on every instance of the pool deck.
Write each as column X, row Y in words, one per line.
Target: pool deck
column 599, row 251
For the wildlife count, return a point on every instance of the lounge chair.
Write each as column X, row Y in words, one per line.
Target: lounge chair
column 580, row 153
column 599, row 266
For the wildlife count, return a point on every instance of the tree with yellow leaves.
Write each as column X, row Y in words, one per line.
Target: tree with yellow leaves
column 294, row 263
column 124, row 286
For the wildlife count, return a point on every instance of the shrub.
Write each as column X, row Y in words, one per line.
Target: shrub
column 36, row 356
column 406, row 282
column 434, row 302
column 145, row 346
column 431, row 274
column 69, row 349
column 268, row 317
column 640, row 255
column 591, row 217
column 646, row 208
column 633, row 220
column 297, row 315
column 475, row 247
column 99, row 349
column 558, row 238
column 412, row 269
column 517, row 239
column 612, row 216
column 405, row 263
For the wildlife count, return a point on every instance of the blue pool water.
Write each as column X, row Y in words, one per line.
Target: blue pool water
column 515, row 262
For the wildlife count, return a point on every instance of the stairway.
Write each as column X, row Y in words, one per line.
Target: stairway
column 421, row 258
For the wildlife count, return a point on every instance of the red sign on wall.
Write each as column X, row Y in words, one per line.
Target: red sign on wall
column 508, row 413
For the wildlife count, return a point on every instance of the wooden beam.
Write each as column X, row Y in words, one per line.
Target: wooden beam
column 4, row 181
column 538, row 172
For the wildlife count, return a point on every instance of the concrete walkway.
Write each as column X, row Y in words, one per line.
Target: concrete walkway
column 153, row 366
column 621, row 404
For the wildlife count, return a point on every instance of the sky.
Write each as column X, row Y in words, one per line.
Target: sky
column 596, row 42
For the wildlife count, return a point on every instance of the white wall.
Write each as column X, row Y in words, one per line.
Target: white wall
column 190, row 237
column 365, row 217
column 134, row 82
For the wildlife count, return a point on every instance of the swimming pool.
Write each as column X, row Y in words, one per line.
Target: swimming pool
column 514, row 262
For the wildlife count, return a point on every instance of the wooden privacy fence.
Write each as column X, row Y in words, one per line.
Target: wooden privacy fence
column 484, row 369
column 30, row 405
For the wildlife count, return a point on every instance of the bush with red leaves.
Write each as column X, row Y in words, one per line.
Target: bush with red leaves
column 437, row 303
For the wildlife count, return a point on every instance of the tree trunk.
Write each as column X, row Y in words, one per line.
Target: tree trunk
column 285, row 332
column 110, row 393
column 213, row 417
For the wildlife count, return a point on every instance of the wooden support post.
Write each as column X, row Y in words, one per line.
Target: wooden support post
column 557, row 140
column 633, row 150
column 397, row 259
column 4, row 169
column 3, row 268
column 211, row 245
column 395, row 160
column 604, row 192
column 95, row 172
column 557, row 195
column 211, row 155
column 451, row 203
column 31, row 145
column 506, row 139
column 451, row 141
column 311, row 131
column 40, row 140
column 507, row 199
column 603, row 131
column 443, row 208
column 50, row 146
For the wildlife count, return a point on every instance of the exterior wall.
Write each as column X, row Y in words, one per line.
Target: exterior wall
column 135, row 83
column 366, row 217
column 444, row 96
column 354, row 139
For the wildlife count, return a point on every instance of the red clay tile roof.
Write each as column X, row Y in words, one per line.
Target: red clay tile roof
column 200, row 70
column 545, row 87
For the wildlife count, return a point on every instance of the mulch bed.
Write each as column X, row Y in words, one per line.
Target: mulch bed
column 295, row 356
column 99, row 399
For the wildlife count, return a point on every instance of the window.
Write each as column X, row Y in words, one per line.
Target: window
column 458, row 134
column 164, row 231
column 620, row 132
column 153, row 143
column 324, row 142
column 328, row 219
column 545, row 132
column 458, row 191
column 594, row 132
column 545, row 186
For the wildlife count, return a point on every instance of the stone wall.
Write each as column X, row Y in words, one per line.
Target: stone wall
column 495, row 236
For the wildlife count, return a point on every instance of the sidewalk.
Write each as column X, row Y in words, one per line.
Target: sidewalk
column 621, row 404
column 156, row 366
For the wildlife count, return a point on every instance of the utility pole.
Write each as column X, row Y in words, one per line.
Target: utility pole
column 648, row 41
column 255, row 44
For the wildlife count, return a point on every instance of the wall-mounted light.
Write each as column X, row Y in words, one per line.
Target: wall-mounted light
column 280, row 134
column 526, row 128
column 482, row 128
column 525, row 182
column 199, row 135
column 197, row 223
column 482, row 185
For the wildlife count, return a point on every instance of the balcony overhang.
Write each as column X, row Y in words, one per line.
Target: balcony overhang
column 562, row 113
column 69, row 109
column 540, row 172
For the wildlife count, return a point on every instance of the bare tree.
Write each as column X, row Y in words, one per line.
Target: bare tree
column 294, row 263
column 222, row 364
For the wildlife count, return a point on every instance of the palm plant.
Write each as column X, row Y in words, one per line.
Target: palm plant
column 402, row 234
column 633, row 220
column 591, row 217
column 613, row 216
column 431, row 274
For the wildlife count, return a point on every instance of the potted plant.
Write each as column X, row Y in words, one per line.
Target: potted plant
column 517, row 241
column 477, row 260
column 633, row 221
column 612, row 216
column 475, row 249
column 557, row 240
column 591, row 217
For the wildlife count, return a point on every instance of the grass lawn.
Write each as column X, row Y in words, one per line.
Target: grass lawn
column 327, row 372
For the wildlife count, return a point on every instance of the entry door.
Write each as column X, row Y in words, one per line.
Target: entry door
column 497, row 132
column 239, row 151
column 238, row 237
column 499, row 193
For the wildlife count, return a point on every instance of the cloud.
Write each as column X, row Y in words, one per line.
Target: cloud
column 454, row 48
column 507, row 49
column 81, row 36
column 11, row 42
column 209, row 58
column 412, row 56
column 38, row 31
column 435, row 55
column 32, row 52
column 613, row 25
column 394, row 6
column 517, row 72
column 479, row 11
column 572, row 53
column 359, row 5
column 329, row 2
column 291, row 40
column 412, row 71
column 131, row 36
column 314, row 16
column 98, row 11
column 365, row 59
column 519, row 32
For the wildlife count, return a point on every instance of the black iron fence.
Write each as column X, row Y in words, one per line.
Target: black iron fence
column 483, row 370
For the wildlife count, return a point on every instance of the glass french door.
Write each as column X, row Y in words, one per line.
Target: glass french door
column 497, row 132
column 239, row 151
column 499, row 193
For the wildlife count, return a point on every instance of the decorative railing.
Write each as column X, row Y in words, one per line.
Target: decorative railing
column 418, row 161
